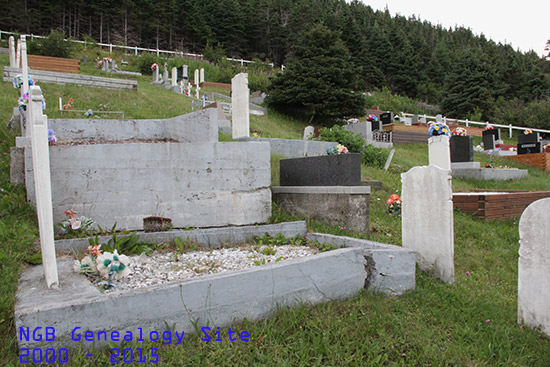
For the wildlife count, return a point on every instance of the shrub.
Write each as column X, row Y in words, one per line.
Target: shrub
column 54, row 45
column 370, row 156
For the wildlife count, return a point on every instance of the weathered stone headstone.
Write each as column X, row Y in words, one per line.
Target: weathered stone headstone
column 18, row 54
column 105, row 65
column 462, row 148
column 309, row 132
column 42, row 183
column 174, row 76
column 165, row 80
column 11, row 49
column 438, row 147
column 439, row 118
column 414, row 120
column 534, row 272
column 185, row 69
column 388, row 161
column 156, row 75
column 427, row 219
column 240, row 106
column 201, row 78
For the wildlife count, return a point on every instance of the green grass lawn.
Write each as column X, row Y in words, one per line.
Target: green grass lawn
column 470, row 323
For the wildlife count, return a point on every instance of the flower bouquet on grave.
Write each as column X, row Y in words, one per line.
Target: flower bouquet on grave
column 352, row 121
column 339, row 149
column 489, row 127
column 460, row 131
column 372, row 118
column 108, row 266
column 527, row 131
column 98, row 63
column 52, row 138
column 18, row 81
column 76, row 226
column 439, row 128
column 154, row 66
column 394, row 205
column 68, row 106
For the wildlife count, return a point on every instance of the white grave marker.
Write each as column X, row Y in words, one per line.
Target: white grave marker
column 11, row 46
column 38, row 124
column 24, row 66
column 196, row 78
column 165, row 74
column 534, row 269
column 174, row 76
column 18, row 54
column 309, row 131
column 427, row 219
column 239, row 106
column 201, row 79
column 439, row 151
column 185, row 68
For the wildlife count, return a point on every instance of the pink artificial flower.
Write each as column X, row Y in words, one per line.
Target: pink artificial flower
column 75, row 224
column 71, row 213
column 95, row 250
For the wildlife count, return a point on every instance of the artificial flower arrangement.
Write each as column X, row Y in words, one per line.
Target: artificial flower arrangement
column 489, row 127
column 68, row 106
column 18, row 81
column 52, row 138
column 23, row 101
column 372, row 118
column 527, row 131
column 353, row 121
column 439, row 128
column 75, row 225
column 460, row 131
column 339, row 149
column 104, row 265
column 394, row 205
column 154, row 66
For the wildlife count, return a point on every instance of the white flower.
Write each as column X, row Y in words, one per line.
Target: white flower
column 85, row 266
column 75, row 224
column 113, row 263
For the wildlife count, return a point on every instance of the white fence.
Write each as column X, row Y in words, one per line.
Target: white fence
column 136, row 49
column 467, row 122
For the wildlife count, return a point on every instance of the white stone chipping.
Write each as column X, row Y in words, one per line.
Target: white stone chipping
column 161, row 268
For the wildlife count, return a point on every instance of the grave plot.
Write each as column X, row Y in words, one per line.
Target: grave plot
column 496, row 205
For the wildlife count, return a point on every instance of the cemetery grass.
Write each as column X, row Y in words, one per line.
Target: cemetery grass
column 470, row 323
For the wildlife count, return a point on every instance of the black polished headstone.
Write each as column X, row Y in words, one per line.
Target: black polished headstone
column 529, row 148
column 327, row 170
column 462, row 148
column 376, row 125
column 386, row 118
column 528, row 138
column 488, row 141
column 495, row 132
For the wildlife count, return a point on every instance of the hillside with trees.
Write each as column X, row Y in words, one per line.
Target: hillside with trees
column 464, row 74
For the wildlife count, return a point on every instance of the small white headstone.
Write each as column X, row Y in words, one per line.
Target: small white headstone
column 18, row 54
column 174, row 76
column 309, row 131
column 42, row 184
column 11, row 46
column 156, row 75
column 185, row 69
column 239, row 105
column 439, row 151
column 201, row 79
column 439, row 118
column 196, row 78
column 427, row 219
column 534, row 269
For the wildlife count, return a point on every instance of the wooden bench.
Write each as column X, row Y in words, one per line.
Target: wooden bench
column 58, row 64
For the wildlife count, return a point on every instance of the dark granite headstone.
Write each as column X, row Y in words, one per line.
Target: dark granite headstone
column 528, row 138
column 327, row 170
column 376, row 125
column 495, row 132
column 488, row 141
column 529, row 148
column 386, row 118
column 462, row 149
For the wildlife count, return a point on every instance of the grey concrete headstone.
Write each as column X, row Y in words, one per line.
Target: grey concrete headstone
column 427, row 219
column 534, row 272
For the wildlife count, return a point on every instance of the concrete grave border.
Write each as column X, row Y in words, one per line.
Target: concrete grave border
column 212, row 300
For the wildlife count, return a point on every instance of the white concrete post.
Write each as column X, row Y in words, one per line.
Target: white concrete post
column 467, row 121
column 439, row 151
column 510, row 131
column 136, row 51
column 240, row 106
column 201, row 79
column 11, row 45
column 174, row 76
column 38, row 124
column 110, row 48
column 60, row 104
column 196, row 80
column 18, row 54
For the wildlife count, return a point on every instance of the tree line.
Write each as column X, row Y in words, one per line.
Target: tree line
column 465, row 74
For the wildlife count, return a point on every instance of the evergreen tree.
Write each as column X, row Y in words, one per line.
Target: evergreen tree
column 319, row 80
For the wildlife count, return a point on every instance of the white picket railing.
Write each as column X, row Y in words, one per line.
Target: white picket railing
column 468, row 122
column 135, row 49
